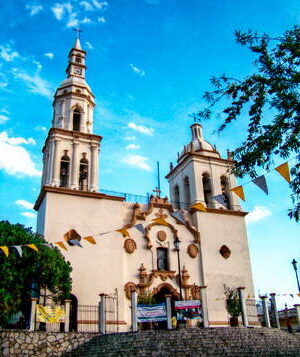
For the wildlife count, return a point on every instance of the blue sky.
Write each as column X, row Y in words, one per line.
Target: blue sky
column 149, row 63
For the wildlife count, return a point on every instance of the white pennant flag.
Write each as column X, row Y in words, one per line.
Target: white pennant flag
column 19, row 250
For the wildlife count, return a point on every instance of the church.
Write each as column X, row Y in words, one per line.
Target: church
column 187, row 246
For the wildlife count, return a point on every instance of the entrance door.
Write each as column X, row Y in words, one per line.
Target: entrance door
column 160, row 297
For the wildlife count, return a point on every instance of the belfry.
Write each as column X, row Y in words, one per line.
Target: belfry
column 116, row 246
column 71, row 150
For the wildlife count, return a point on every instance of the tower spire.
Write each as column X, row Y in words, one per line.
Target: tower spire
column 77, row 42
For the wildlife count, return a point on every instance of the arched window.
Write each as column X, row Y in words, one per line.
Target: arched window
column 187, row 193
column 176, row 197
column 162, row 259
column 77, row 118
column 83, row 173
column 207, row 189
column 225, row 191
column 64, row 170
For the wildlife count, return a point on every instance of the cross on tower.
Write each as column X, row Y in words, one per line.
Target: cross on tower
column 77, row 29
column 157, row 191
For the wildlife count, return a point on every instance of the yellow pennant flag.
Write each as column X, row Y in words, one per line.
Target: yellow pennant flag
column 284, row 171
column 5, row 249
column 199, row 207
column 90, row 239
column 32, row 246
column 239, row 191
column 61, row 244
column 161, row 221
column 124, row 232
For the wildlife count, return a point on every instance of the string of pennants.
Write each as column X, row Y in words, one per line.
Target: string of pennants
column 260, row 182
column 253, row 297
column 19, row 248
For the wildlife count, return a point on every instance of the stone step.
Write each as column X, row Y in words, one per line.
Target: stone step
column 194, row 341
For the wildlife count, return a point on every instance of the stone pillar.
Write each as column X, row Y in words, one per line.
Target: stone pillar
column 74, row 166
column 169, row 312
column 56, row 163
column 94, row 168
column 102, row 317
column 204, row 305
column 67, row 315
column 277, row 323
column 243, row 306
column 266, row 311
column 32, row 314
column 134, row 311
column 297, row 306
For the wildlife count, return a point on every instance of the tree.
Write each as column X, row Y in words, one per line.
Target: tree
column 270, row 97
column 233, row 305
column 43, row 269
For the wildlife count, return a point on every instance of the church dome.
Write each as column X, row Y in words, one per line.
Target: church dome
column 198, row 144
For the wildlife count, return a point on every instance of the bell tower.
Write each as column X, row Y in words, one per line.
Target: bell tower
column 71, row 150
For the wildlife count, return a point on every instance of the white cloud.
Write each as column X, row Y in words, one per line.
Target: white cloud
column 40, row 128
column 7, row 53
column 29, row 214
column 58, row 11
column 258, row 213
column 101, row 19
column 3, row 118
column 14, row 159
column 38, row 65
column 137, row 161
column 141, row 129
column 129, row 138
column 132, row 147
column 137, row 70
column 87, row 6
column 86, row 20
column 99, row 4
column 73, row 21
column 34, row 9
column 24, row 204
column 89, row 45
column 49, row 55
column 15, row 141
column 35, row 83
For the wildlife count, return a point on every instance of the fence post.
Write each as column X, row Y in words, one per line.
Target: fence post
column 204, row 305
column 102, row 317
column 297, row 306
column 277, row 323
column 32, row 314
column 67, row 315
column 169, row 312
column 134, row 311
column 266, row 311
column 243, row 306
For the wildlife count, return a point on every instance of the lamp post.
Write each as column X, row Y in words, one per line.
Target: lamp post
column 296, row 272
column 177, row 248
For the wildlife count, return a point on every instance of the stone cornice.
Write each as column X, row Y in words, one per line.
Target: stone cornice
column 221, row 211
column 197, row 155
column 67, row 191
column 80, row 95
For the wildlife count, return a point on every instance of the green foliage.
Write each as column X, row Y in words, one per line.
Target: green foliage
column 146, row 299
column 270, row 97
column 233, row 305
column 47, row 268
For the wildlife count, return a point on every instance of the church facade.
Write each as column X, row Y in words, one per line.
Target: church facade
column 137, row 244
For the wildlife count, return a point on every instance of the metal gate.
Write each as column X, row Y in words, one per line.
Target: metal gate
column 112, row 313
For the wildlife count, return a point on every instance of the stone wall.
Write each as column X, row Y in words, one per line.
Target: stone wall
column 42, row 344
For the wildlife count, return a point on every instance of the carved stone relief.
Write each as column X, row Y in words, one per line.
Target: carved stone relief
column 129, row 245
column 193, row 250
column 162, row 236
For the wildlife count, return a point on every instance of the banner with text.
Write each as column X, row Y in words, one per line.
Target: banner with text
column 155, row 312
column 188, row 310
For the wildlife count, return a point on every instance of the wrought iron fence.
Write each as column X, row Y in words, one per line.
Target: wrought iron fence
column 129, row 197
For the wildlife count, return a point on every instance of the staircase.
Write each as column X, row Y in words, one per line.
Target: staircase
column 193, row 342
